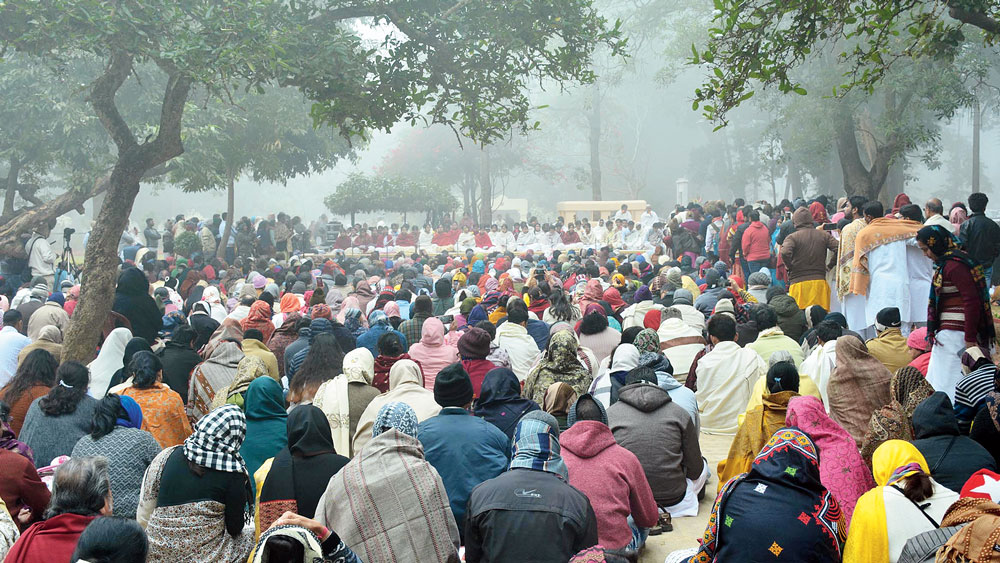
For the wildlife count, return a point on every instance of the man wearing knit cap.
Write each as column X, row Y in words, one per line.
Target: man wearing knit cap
column 889, row 347
column 473, row 348
column 684, row 302
column 466, row 450
column 39, row 293
column 757, row 285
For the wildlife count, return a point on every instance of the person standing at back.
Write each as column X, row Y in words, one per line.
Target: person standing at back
column 804, row 253
column 41, row 258
column 980, row 235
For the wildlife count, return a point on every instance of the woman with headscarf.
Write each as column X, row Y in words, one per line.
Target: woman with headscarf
column 72, row 299
column 593, row 292
column 132, row 300
column 266, row 417
column 118, row 380
column 284, row 335
column 405, row 386
column 363, row 293
column 194, row 497
column 214, row 300
column 163, row 410
column 116, row 434
column 596, row 333
column 803, row 522
column 388, row 499
column 109, row 360
column 842, row 471
column 213, row 377
column 894, row 421
column 613, row 298
column 500, row 402
column 378, row 325
column 559, row 363
column 203, row 323
column 344, row 398
column 761, row 422
column 558, row 399
column 906, row 502
column 432, row 352
column 958, row 315
column 858, row 386
column 957, row 216
column 642, row 303
column 260, row 319
column 623, row 359
column 299, row 472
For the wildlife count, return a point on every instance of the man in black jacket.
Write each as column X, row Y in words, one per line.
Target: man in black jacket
column 980, row 235
column 179, row 359
column 530, row 512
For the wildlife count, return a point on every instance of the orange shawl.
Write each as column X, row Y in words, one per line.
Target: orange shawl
column 880, row 231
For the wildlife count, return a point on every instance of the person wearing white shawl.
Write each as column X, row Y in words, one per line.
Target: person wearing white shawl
column 108, row 361
column 725, row 378
column 821, row 362
column 216, row 308
column 679, row 342
column 338, row 398
column 623, row 359
column 406, row 385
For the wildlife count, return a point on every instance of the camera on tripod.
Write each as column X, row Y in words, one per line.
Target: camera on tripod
column 68, row 232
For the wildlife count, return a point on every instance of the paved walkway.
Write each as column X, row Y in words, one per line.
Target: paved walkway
column 687, row 531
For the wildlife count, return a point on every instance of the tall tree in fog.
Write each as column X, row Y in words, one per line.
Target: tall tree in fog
column 465, row 64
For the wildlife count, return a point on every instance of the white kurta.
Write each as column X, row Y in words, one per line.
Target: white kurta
column 726, row 377
column 921, row 272
column 945, row 368
column 819, row 366
column 889, row 284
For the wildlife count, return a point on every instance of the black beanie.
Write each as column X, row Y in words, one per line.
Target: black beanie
column 452, row 387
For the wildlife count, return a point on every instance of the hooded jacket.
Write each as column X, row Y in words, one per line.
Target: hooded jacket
column 432, row 353
column 952, row 458
column 405, row 386
column 647, row 422
column 804, row 251
column 132, row 300
column 500, row 401
column 756, row 242
column 611, row 477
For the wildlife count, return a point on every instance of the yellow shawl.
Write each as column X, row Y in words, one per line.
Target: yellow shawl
column 867, row 539
column 760, row 424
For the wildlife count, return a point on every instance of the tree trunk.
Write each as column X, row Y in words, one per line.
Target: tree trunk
column 230, row 205
column 12, row 175
column 594, row 117
column 100, row 269
column 486, row 191
column 858, row 180
column 977, row 126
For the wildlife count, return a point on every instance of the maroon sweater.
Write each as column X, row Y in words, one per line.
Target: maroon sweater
column 611, row 477
column 959, row 307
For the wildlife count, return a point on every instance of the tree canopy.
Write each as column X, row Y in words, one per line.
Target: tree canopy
column 463, row 64
column 764, row 42
column 366, row 194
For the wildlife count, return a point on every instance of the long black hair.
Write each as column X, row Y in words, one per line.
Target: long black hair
column 559, row 306
column 324, row 361
column 38, row 368
column 74, row 378
column 144, row 368
column 108, row 411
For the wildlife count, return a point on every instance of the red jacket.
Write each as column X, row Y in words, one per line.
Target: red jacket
column 611, row 477
column 51, row 540
column 477, row 370
column 756, row 242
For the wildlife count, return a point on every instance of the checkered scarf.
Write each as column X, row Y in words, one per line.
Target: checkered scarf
column 536, row 446
column 217, row 438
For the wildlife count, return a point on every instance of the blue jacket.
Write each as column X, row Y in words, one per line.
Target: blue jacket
column 370, row 338
column 466, row 451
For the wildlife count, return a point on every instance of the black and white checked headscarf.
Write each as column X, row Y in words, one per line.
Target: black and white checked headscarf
column 217, row 438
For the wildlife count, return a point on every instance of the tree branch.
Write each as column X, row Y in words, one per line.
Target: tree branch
column 977, row 19
column 167, row 143
column 102, row 98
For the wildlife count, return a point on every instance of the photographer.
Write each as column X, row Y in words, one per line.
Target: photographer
column 41, row 259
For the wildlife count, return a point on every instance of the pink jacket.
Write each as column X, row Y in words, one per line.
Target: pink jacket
column 756, row 242
column 431, row 352
column 612, row 479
